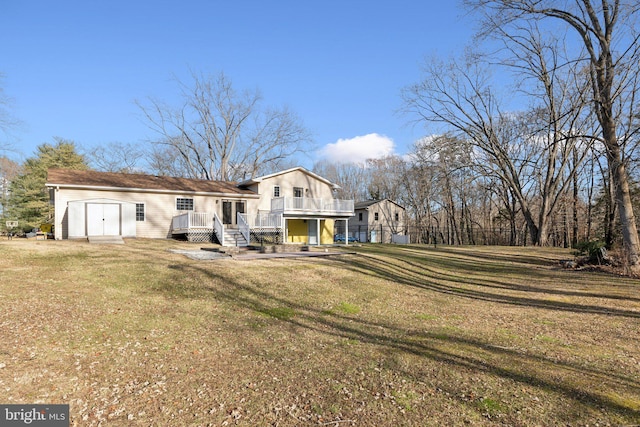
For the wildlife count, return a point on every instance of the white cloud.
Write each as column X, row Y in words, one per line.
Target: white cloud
column 358, row 149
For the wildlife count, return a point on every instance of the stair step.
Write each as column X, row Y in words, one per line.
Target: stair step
column 233, row 237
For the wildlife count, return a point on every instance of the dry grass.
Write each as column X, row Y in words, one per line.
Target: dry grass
column 136, row 335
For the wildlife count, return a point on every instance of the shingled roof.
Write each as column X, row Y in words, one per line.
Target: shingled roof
column 367, row 203
column 110, row 180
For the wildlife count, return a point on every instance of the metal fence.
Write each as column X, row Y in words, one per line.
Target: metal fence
column 442, row 236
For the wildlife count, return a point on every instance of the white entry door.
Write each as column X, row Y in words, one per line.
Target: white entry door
column 103, row 219
column 313, row 231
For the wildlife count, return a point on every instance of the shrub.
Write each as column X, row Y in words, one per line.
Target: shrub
column 594, row 250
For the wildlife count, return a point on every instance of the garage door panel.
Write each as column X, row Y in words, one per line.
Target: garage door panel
column 94, row 219
column 111, row 220
column 103, row 219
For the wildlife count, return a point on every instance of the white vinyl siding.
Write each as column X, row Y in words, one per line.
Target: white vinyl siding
column 161, row 205
column 286, row 183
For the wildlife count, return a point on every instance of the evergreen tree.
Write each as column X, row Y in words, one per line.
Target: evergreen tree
column 28, row 198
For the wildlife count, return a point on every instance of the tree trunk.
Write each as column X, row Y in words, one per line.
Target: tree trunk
column 513, row 236
column 575, row 200
column 625, row 212
column 590, row 202
column 534, row 231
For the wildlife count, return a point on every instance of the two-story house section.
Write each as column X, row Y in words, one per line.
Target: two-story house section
column 378, row 221
column 304, row 200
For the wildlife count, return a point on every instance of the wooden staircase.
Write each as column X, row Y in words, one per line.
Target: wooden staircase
column 233, row 237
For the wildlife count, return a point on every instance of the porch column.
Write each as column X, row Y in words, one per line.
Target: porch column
column 346, row 232
column 318, row 232
column 284, row 229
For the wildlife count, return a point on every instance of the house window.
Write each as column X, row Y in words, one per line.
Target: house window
column 298, row 192
column 397, row 217
column 276, row 191
column 184, row 204
column 359, row 216
column 139, row 211
column 375, row 216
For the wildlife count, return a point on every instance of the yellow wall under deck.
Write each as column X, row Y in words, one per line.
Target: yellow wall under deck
column 326, row 232
column 298, row 231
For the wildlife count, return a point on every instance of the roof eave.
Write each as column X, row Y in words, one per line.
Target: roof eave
column 259, row 179
column 150, row 190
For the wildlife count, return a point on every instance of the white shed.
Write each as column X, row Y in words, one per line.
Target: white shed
column 101, row 217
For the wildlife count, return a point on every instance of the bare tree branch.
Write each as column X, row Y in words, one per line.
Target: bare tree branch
column 221, row 134
column 609, row 36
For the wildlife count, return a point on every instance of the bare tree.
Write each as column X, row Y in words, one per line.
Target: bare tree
column 5, row 116
column 351, row 177
column 7, row 119
column 220, row 134
column 116, row 157
column 8, row 171
column 457, row 190
column 165, row 160
column 420, row 187
column 385, row 175
column 607, row 32
column 443, row 156
column 528, row 152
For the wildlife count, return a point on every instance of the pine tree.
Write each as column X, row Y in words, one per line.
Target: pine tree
column 28, row 199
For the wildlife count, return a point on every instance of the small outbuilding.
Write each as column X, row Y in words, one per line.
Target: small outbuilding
column 379, row 221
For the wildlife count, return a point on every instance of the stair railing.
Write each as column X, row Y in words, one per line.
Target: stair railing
column 243, row 227
column 218, row 227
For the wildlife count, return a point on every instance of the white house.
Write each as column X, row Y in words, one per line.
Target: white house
column 294, row 205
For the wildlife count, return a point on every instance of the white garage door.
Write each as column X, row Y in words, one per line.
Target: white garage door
column 103, row 219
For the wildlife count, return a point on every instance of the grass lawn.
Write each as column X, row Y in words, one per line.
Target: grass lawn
column 393, row 335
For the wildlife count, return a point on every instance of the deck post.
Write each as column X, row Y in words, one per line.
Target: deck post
column 346, row 232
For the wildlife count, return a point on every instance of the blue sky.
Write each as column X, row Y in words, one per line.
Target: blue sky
column 75, row 68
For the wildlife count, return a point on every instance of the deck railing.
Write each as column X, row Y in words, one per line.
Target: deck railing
column 310, row 205
column 269, row 222
column 190, row 220
column 263, row 220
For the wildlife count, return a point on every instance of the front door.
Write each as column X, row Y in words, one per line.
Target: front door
column 239, row 208
column 229, row 214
